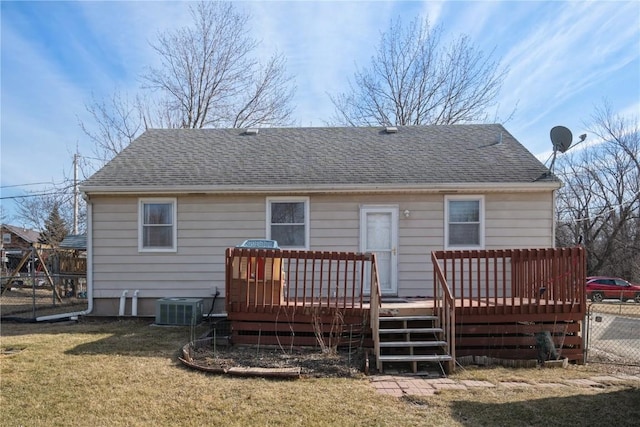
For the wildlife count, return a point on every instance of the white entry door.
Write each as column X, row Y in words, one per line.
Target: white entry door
column 379, row 234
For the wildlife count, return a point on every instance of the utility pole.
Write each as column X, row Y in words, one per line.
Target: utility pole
column 75, row 193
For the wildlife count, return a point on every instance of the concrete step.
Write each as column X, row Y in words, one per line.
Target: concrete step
column 406, row 344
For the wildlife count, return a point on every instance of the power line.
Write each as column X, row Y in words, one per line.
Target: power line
column 33, row 183
column 91, row 158
column 66, row 181
column 24, row 196
column 26, row 185
column 609, row 209
column 52, row 192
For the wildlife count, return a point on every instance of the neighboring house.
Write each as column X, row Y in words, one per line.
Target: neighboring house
column 162, row 212
column 15, row 241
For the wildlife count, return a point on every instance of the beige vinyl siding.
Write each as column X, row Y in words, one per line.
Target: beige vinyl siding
column 418, row 235
column 335, row 223
column 207, row 225
column 519, row 220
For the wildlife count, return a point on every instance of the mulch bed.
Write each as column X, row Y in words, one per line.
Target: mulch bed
column 272, row 361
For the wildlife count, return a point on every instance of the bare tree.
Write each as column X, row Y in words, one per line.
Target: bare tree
column 599, row 205
column 209, row 77
column 118, row 121
column 34, row 208
column 413, row 80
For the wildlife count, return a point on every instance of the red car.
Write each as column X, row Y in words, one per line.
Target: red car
column 599, row 288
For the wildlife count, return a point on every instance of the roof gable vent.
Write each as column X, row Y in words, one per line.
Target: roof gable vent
column 251, row 131
column 391, row 129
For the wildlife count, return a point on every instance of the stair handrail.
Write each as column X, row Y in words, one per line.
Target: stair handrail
column 444, row 308
column 375, row 301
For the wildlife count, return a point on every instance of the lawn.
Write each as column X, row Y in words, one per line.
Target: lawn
column 125, row 373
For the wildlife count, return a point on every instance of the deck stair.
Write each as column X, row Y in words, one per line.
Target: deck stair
column 416, row 340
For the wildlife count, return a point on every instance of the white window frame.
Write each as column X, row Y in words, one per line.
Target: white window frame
column 6, row 238
column 482, row 224
column 174, row 206
column 307, row 220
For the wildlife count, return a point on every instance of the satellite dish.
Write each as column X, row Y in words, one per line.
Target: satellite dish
column 561, row 138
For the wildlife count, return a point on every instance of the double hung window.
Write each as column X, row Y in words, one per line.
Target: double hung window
column 157, row 225
column 464, row 222
column 288, row 222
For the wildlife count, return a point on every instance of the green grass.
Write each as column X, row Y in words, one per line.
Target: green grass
column 125, row 373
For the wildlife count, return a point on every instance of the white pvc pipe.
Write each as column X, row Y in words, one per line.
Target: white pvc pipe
column 134, row 303
column 123, row 300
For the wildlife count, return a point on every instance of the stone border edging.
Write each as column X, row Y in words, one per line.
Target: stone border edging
column 187, row 360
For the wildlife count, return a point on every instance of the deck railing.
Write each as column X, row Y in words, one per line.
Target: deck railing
column 513, row 281
column 258, row 280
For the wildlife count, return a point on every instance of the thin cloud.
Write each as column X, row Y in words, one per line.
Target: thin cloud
column 567, row 55
column 564, row 58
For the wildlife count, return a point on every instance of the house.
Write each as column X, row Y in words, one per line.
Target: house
column 15, row 242
column 18, row 238
column 163, row 211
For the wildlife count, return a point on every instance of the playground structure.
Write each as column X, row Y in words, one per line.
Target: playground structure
column 49, row 277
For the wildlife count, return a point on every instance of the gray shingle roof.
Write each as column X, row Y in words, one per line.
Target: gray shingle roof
column 291, row 157
column 26, row 234
column 74, row 241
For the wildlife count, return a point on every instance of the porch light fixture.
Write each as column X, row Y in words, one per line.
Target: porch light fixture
column 406, row 213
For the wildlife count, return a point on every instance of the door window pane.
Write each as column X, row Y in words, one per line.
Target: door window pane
column 378, row 231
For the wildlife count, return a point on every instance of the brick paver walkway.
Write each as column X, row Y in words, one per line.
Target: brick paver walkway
column 397, row 385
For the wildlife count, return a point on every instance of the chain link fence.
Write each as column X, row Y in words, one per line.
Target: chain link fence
column 39, row 282
column 613, row 333
column 26, row 301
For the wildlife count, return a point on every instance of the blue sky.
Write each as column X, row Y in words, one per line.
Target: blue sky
column 564, row 59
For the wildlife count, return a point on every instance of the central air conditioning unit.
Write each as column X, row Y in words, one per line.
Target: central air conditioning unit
column 178, row 311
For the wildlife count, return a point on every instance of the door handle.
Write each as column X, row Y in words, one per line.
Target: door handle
column 393, row 251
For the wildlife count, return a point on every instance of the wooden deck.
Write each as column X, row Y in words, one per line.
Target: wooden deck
column 494, row 302
column 489, row 303
column 306, row 298
column 505, row 329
